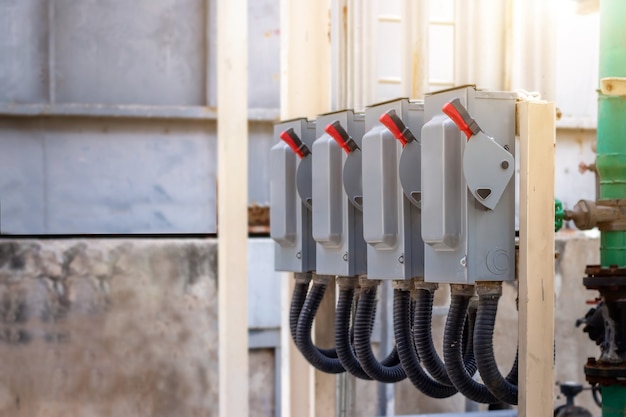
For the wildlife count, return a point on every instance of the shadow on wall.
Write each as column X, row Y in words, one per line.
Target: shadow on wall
column 108, row 328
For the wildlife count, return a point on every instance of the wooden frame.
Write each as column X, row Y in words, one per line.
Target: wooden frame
column 232, row 205
column 305, row 92
column 536, row 126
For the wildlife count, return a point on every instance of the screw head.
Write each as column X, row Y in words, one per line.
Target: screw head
column 504, row 164
column 299, row 255
column 345, row 256
column 401, row 259
column 463, row 261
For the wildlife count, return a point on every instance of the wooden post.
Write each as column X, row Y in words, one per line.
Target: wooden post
column 232, row 159
column 305, row 92
column 536, row 123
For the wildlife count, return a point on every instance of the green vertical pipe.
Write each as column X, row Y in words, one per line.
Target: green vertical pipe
column 611, row 149
column 613, row 401
column 611, row 156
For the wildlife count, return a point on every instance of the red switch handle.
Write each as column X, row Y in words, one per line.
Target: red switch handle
column 290, row 137
column 397, row 128
column 337, row 132
column 461, row 118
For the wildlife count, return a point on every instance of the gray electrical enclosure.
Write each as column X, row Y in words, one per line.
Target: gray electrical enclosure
column 291, row 200
column 337, row 222
column 392, row 226
column 469, row 232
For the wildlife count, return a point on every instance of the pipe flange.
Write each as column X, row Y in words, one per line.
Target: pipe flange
column 605, row 373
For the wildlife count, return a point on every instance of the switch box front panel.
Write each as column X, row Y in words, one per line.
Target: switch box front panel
column 392, row 226
column 466, row 241
column 337, row 223
column 290, row 216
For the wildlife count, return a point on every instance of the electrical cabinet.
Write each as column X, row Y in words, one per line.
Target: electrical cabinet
column 468, row 195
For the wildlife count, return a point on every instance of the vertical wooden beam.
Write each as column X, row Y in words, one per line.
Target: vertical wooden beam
column 305, row 92
column 232, row 159
column 536, row 123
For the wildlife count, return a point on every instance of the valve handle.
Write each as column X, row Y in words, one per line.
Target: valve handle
column 397, row 128
column 337, row 132
column 290, row 137
column 461, row 118
column 559, row 215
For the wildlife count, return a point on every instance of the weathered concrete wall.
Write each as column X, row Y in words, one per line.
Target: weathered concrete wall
column 108, row 328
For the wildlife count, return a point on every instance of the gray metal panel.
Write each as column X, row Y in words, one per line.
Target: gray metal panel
column 23, row 51
column 264, row 53
column 113, row 60
column 130, row 52
column 22, row 188
column 261, row 141
column 263, row 286
column 101, row 176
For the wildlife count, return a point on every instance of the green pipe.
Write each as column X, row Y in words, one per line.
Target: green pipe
column 613, row 401
column 611, row 149
column 611, row 156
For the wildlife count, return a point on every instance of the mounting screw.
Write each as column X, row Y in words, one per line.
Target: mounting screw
column 504, row 164
column 401, row 259
column 506, row 147
column 299, row 255
column 463, row 261
column 345, row 256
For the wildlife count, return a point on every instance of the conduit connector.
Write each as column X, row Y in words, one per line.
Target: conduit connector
column 322, row 279
column 403, row 285
column 428, row 286
column 302, row 277
column 463, row 289
column 347, row 283
column 365, row 282
column 489, row 288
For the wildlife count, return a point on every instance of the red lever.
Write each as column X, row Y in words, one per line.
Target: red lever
column 461, row 118
column 337, row 132
column 290, row 137
column 397, row 128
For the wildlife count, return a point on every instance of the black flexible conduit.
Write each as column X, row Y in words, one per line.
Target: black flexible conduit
column 345, row 351
column 303, row 330
column 423, row 339
column 488, row 296
column 468, row 339
column 298, row 297
column 452, row 348
column 406, row 350
column 362, row 338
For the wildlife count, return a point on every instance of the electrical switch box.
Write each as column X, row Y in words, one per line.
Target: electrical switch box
column 392, row 190
column 337, row 219
column 291, row 198
column 468, row 194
